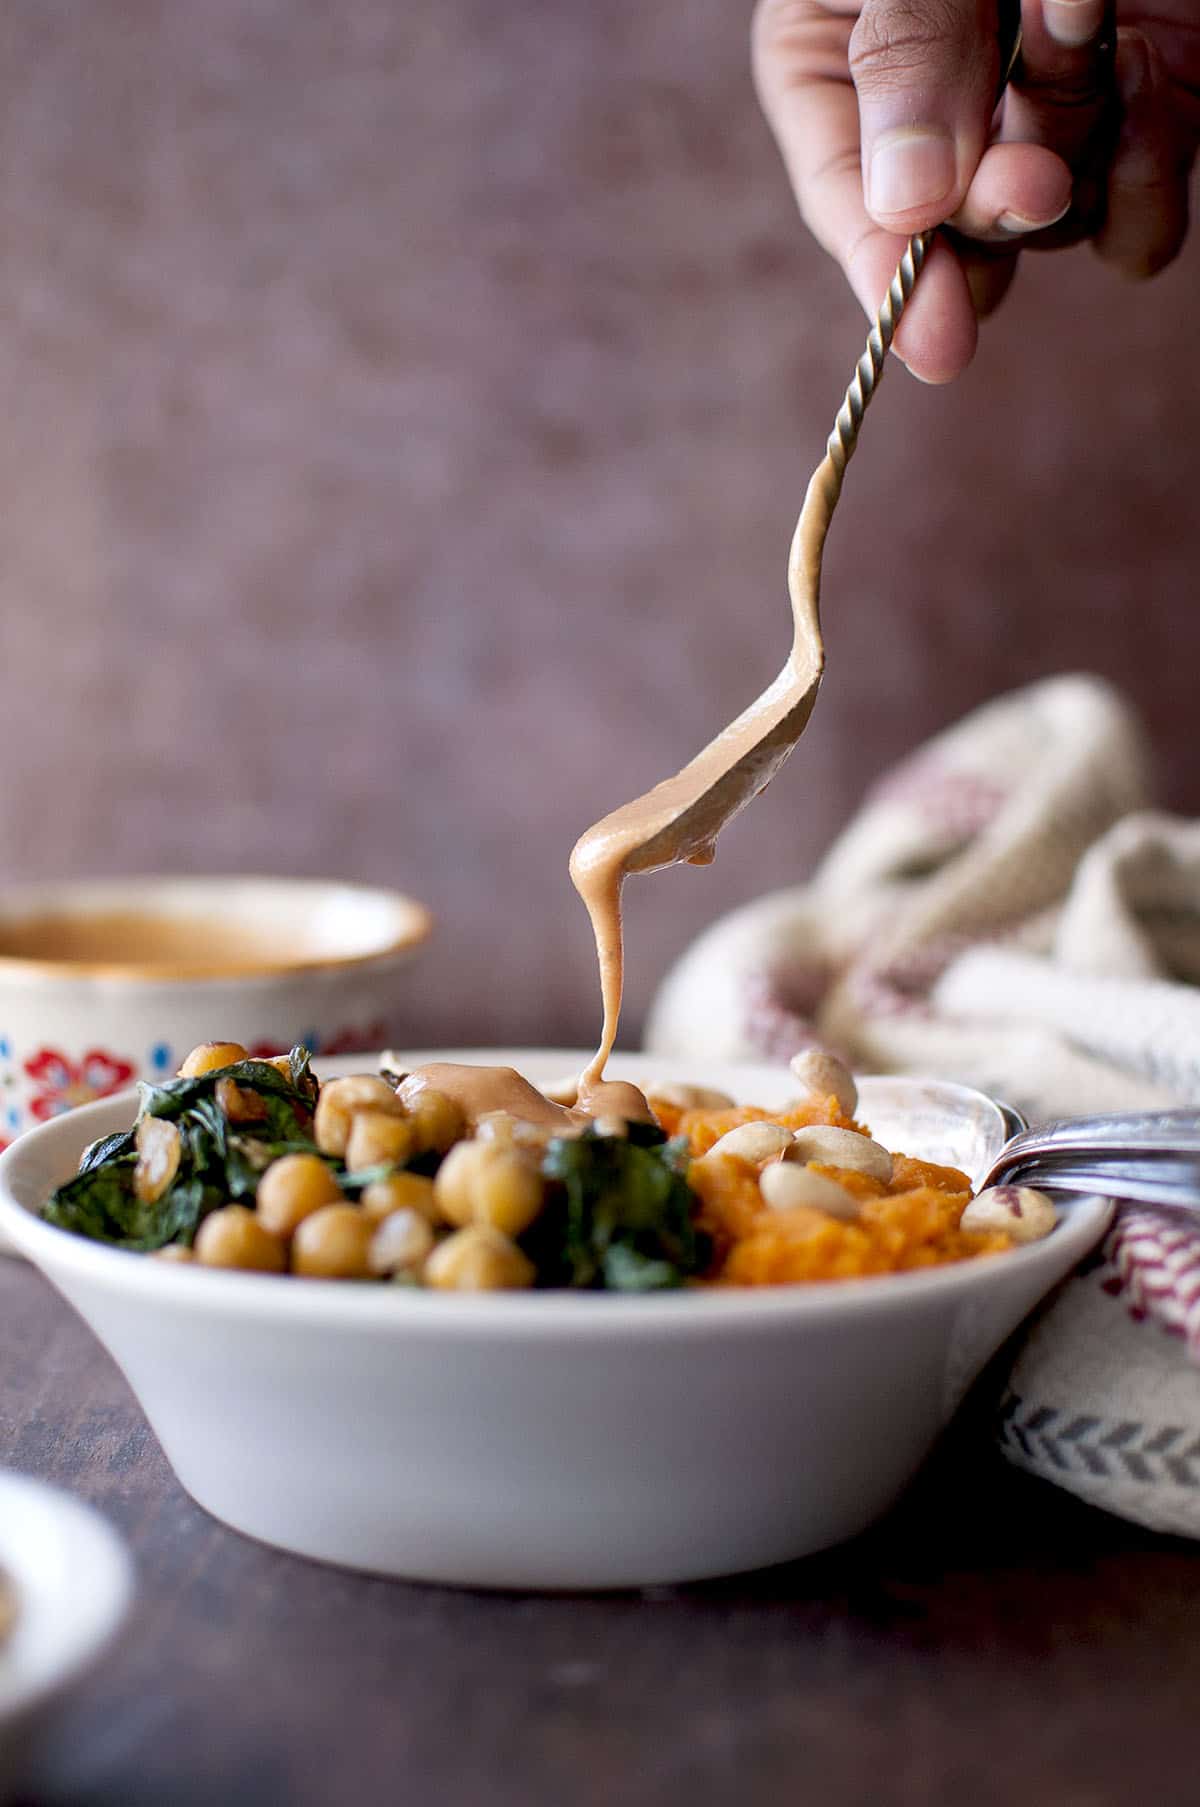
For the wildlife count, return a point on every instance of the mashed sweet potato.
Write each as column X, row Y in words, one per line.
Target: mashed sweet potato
column 911, row 1222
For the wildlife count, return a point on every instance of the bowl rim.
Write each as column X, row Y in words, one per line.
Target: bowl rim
column 351, row 1306
column 68, row 897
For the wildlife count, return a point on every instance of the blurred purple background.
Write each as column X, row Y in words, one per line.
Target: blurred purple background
column 406, row 408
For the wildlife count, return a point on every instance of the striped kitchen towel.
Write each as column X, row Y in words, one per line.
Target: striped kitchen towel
column 1007, row 909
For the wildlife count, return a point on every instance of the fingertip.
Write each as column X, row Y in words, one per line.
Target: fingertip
column 937, row 336
column 1146, row 218
column 1017, row 189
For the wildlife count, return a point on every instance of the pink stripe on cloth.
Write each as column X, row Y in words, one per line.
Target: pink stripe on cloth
column 1153, row 1262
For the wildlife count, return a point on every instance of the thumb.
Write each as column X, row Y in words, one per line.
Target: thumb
column 926, row 73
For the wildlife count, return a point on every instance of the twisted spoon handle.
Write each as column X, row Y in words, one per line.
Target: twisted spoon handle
column 869, row 368
column 825, row 485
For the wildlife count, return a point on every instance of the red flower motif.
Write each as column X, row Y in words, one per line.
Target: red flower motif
column 344, row 1041
column 359, row 1041
column 64, row 1083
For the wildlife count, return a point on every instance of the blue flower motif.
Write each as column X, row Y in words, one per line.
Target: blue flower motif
column 160, row 1057
column 311, row 1040
column 13, row 1117
column 5, row 1048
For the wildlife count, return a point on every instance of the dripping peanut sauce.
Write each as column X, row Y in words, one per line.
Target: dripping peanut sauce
column 678, row 820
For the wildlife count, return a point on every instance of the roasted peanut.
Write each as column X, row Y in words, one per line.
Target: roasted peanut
column 1022, row 1213
column 787, row 1187
column 824, row 1076
column 755, row 1142
column 831, row 1147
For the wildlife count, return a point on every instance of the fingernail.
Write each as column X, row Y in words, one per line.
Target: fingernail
column 911, row 167
column 1073, row 22
column 1016, row 222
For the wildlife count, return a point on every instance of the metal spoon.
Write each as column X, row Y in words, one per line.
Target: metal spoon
column 1151, row 1157
column 681, row 818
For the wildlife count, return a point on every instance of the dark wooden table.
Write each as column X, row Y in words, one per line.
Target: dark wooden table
column 992, row 1642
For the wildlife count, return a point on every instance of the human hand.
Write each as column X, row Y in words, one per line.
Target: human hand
column 885, row 113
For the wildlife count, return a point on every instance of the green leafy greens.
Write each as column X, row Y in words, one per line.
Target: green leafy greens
column 220, row 1160
column 619, row 1217
column 618, row 1212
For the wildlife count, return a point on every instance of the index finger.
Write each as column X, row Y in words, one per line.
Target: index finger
column 802, row 70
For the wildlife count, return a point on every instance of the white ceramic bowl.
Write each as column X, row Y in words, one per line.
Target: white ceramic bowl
column 300, row 960
column 129, row 991
column 72, row 1582
column 552, row 1440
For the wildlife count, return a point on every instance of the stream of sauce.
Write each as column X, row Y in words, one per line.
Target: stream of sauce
column 681, row 818
column 678, row 820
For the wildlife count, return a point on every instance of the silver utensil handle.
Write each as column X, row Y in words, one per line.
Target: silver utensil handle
column 1133, row 1130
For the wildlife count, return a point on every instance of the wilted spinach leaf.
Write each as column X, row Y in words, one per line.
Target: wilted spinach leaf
column 102, row 1204
column 619, row 1216
column 219, row 1160
column 98, row 1154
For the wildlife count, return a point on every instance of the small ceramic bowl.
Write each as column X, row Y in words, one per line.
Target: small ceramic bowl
column 71, row 1582
column 553, row 1440
column 109, row 981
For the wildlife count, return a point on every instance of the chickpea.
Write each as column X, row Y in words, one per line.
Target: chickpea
column 400, row 1192
column 291, row 1189
column 401, row 1243
column 333, row 1244
column 234, row 1237
column 340, row 1099
column 238, row 1104
column 438, row 1122
column 489, row 1183
column 376, row 1138
column 209, row 1056
column 503, row 1127
column 478, row 1259
column 159, row 1151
